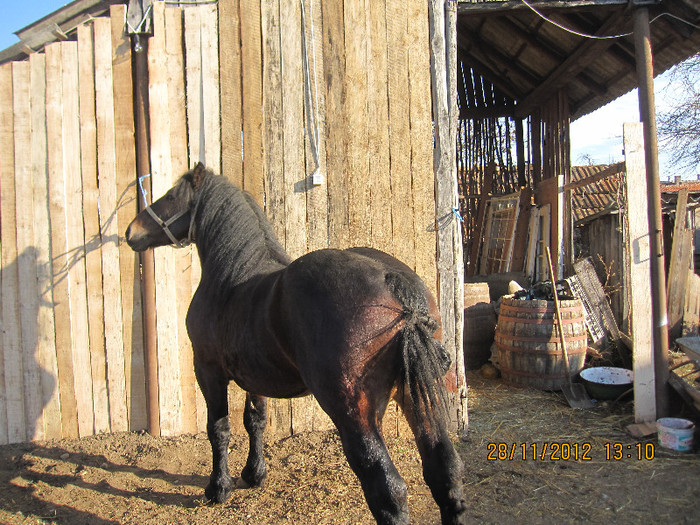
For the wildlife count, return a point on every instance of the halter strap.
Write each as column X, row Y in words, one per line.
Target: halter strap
column 165, row 225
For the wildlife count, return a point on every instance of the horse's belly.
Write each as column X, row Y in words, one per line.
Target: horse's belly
column 280, row 389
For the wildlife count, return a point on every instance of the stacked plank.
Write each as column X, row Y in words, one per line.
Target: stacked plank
column 266, row 92
column 72, row 352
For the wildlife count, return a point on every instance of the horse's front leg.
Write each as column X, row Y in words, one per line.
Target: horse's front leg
column 254, row 421
column 215, row 390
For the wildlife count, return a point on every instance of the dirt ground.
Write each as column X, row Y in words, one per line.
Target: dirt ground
column 134, row 478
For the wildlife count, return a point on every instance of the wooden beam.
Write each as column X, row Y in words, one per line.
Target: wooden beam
column 574, row 64
column 645, row 409
column 611, row 170
column 647, row 111
column 489, row 8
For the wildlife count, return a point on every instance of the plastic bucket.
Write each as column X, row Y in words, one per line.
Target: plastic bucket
column 675, row 433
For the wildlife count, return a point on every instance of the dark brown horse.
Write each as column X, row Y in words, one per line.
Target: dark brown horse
column 353, row 327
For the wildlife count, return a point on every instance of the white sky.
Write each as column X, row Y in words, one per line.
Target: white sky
column 599, row 134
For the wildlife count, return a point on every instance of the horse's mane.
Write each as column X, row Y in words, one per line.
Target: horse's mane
column 234, row 238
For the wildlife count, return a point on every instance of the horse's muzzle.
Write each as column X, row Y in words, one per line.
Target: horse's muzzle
column 137, row 240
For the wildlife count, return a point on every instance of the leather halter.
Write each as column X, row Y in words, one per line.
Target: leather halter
column 165, row 225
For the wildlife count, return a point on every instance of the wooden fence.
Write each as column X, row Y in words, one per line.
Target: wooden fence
column 239, row 85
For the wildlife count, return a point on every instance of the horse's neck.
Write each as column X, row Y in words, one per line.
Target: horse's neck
column 239, row 247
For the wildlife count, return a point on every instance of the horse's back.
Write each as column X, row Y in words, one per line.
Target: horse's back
column 341, row 312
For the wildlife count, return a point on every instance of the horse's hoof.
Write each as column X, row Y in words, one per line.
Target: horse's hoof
column 242, row 484
column 218, row 493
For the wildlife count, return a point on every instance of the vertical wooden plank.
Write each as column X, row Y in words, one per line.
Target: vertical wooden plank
column 161, row 172
column 272, row 113
column 421, row 135
column 678, row 268
column 13, row 428
column 355, row 78
column 191, row 89
column 125, row 161
column 26, row 252
column 109, row 227
column 295, row 180
column 251, row 66
column 75, row 236
column 46, row 343
column 293, row 128
column 56, row 193
column 57, row 210
column 450, row 274
column 640, row 306
column 75, row 240
column 400, row 140
column 316, row 196
column 211, row 95
column 93, row 253
column 336, row 142
column 276, row 183
column 193, row 75
column 196, row 124
column 230, row 74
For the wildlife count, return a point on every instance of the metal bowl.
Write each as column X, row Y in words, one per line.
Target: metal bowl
column 607, row 382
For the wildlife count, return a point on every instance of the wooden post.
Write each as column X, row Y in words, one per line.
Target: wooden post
column 639, row 268
column 450, row 262
column 645, row 79
column 148, row 289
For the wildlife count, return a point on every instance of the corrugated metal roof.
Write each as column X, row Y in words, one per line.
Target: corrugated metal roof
column 605, row 196
column 594, row 199
column 529, row 58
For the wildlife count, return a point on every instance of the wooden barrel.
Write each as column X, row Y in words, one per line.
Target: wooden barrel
column 528, row 351
column 479, row 325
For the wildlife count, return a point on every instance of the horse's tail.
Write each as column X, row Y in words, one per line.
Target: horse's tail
column 424, row 359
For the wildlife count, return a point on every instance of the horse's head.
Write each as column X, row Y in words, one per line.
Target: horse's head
column 170, row 219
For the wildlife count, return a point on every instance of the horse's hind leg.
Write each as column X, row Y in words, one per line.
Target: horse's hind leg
column 214, row 388
column 442, row 467
column 384, row 489
column 254, row 421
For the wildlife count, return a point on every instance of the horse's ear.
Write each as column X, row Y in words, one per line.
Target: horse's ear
column 198, row 174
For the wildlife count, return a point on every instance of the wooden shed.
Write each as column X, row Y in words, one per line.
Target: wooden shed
column 334, row 115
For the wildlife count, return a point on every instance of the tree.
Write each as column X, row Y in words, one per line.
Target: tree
column 679, row 127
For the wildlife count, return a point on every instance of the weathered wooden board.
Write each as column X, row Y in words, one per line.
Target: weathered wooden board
column 230, row 75
column 109, row 227
column 162, row 179
column 356, row 66
column 13, row 427
column 60, row 259
column 336, row 140
column 681, row 255
column 317, row 194
column 46, row 334
column 93, row 248
column 125, row 161
column 26, row 252
column 421, row 133
column 252, row 89
column 400, row 139
column 638, row 235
